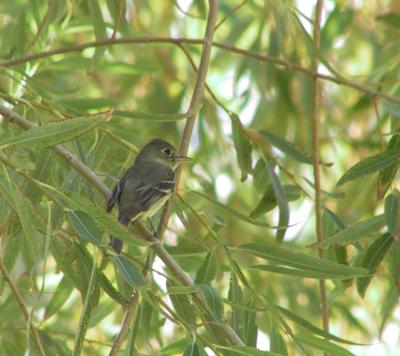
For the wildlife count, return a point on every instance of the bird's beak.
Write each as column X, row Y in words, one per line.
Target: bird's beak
column 180, row 158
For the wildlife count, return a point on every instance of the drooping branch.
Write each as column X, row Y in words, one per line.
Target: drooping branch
column 168, row 40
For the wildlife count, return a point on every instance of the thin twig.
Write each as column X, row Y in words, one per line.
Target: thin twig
column 22, row 306
column 316, row 157
column 129, row 315
column 194, row 103
column 224, row 46
column 119, row 18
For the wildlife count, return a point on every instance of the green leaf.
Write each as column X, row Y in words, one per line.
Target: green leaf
column 286, row 147
column 131, row 273
column 192, row 349
column 232, row 212
column 390, row 19
column 16, row 200
column 295, row 272
column 392, row 212
column 154, row 116
column 235, row 296
column 299, row 260
column 354, row 233
column 282, row 204
column 370, row 165
column 310, row 327
column 182, row 305
column 54, row 132
column 372, row 258
column 85, row 226
column 268, row 200
column 387, row 175
column 323, row 345
column 60, row 296
column 207, row 271
column 245, row 351
column 214, row 300
column 242, row 146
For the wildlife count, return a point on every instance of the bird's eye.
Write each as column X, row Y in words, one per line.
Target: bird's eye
column 167, row 151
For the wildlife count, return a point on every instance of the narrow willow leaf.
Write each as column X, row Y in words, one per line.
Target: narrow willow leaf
column 245, row 351
column 228, row 210
column 16, row 200
column 242, row 146
column 90, row 302
column 286, row 147
column 277, row 342
column 207, row 271
column 387, row 175
column 60, row 296
column 282, row 204
column 54, row 132
column 268, row 200
column 154, row 117
column 310, row 327
column 131, row 273
column 213, row 300
column 299, row 260
column 183, row 306
column 85, row 226
column 394, row 264
column 295, row 272
column 87, row 259
column 392, row 212
column 182, row 289
column 372, row 258
column 250, row 322
column 192, row 349
column 323, row 345
column 354, row 233
column 261, row 178
column 370, row 165
column 235, row 296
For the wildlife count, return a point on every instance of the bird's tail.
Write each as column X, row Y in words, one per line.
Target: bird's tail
column 116, row 243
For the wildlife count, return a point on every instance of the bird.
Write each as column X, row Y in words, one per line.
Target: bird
column 145, row 186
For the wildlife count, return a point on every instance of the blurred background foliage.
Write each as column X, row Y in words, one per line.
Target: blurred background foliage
column 251, row 170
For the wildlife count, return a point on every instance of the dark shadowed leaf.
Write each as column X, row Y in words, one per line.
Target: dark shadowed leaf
column 242, row 146
column 392, row 212
column 283, row 205
column 207, row 270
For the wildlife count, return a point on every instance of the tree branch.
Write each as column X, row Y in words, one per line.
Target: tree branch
column 194, row 103
column 316, row 156
column 243, row 52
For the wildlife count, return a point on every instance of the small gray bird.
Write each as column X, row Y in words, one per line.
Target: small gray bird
column 146, row 185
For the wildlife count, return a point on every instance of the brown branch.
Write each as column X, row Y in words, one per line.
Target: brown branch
column 21, row 304
column 223, row 46
column 194, row 103
column 129, row 315
column 316, row 156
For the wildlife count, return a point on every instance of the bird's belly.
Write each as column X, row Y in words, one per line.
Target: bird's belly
column 154, row 208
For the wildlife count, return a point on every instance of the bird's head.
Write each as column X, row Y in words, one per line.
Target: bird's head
column 162, row 152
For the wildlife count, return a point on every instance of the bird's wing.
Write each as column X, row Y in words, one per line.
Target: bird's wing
column 139, row 195
column 115, row 195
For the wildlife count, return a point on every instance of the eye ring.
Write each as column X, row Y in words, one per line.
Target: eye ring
column 167, row 151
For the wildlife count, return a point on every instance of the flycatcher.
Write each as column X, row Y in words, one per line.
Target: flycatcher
column 146, row 185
